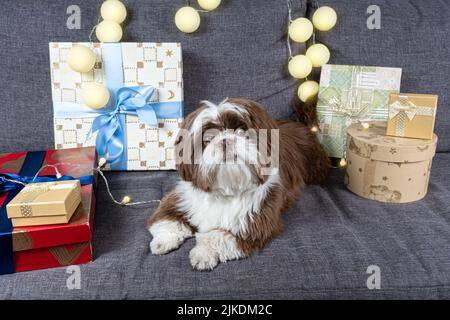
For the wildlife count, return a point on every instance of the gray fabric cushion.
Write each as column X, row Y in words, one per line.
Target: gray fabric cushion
column 229, row 56
column 239, row 50
column 331, row 237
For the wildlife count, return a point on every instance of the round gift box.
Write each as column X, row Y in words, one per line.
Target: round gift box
column 386, row 168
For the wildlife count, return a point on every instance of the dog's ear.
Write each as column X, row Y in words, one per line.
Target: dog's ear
column 183, row 159
column 187, row 167
column 200, row 181
column 185, row 145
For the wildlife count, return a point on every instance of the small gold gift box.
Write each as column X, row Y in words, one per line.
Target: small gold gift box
column 45, row 203
column 412, row 115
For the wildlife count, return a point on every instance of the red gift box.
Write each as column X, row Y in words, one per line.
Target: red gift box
column 41, row 247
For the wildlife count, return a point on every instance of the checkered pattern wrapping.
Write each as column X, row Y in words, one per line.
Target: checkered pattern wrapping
column 156, row 64
column 352, row 94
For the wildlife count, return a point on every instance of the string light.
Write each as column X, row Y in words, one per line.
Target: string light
column 187, row 19
column 300, row 66
column 113, row 10
column 342, row 163
column 308, row 90
column 101, row 162
column 209, row 5
column 301, row 29
column 109, row 31
column 81, row 58
column 126, row 200
column 95, row 95
column 324, row 19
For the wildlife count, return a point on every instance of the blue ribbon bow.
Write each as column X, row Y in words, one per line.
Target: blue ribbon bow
column 135, row 101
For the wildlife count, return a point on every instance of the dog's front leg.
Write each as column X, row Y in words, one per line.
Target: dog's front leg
column 168, row 227
column 213, row 247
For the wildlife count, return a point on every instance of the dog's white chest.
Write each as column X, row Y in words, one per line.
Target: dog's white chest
column 226, row 213
column 207, row 211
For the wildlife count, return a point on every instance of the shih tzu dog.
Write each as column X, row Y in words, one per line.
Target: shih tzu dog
column 240, row 170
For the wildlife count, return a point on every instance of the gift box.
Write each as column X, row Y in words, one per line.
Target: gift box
column 387, row 169
column 137, row 129
column 412, row 115
column 352, row 94
column 45, row 203
column 39, row 247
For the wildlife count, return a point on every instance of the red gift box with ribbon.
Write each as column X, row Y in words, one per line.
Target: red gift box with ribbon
column 40, row 247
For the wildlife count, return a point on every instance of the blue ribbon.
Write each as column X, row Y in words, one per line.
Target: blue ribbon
column 32, row 163
column 7, row 186
column 109, row 122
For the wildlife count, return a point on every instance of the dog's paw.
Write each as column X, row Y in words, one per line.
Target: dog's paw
column 203, row 258
column 168, row 236
column 164, row 243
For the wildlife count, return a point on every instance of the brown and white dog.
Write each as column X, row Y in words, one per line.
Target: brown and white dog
column 234, row 191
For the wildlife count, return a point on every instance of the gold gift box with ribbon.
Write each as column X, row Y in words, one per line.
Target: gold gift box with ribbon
column 45, row 203
column 412, row 115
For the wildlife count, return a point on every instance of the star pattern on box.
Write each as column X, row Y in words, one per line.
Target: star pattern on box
column 156, row 64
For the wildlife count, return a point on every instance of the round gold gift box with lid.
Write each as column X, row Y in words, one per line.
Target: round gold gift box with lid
column 386, row 168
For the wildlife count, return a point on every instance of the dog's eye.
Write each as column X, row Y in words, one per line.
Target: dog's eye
column 207, row 138
column 240, row 131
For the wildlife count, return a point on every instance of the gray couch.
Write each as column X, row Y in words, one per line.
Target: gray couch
column 331, row 235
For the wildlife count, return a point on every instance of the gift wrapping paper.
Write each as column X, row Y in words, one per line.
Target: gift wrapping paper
column 147, row 140
column 39, row 247
column 45, row 203
column 387, row 169
column 352, row 94
column 412, row 115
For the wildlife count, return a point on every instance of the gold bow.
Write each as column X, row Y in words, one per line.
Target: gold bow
column 352, row 108
column 405, row 109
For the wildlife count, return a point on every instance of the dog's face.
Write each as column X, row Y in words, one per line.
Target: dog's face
column 225, row 148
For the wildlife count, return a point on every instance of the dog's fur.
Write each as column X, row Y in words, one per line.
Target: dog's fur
column 233, row 209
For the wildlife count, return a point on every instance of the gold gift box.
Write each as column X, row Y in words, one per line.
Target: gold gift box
column 412, row 115
column 387, row 169
column 45, row 203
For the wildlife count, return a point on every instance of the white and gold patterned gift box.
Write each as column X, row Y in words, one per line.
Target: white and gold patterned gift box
column 137, row 140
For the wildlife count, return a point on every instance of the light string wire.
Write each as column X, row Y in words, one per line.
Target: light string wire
column 188, row 3
column 121, row 203
column 100, row 172
column 98, row 169
column 288, row 40
column 93, row 30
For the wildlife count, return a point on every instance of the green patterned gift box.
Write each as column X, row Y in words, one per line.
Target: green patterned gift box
column 352, row 94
